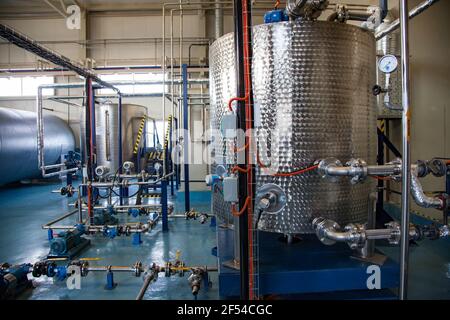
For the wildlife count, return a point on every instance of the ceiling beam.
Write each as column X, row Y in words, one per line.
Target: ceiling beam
column 61, row 12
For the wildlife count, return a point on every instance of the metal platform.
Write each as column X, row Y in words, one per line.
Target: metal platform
column 305, row 267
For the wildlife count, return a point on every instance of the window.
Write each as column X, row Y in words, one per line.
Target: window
column 24, row 86
column 153, row 128
column 10, row 87
column 153, row 88
column 30, row 85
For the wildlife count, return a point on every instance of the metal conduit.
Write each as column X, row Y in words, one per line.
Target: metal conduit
column 406, row 152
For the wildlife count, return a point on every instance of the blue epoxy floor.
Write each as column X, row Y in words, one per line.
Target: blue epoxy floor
column 25, row 208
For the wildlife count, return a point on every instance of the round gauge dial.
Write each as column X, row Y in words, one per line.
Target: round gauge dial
column 388, row 63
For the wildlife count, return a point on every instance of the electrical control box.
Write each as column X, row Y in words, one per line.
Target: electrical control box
column 230, row 189
column 229, row 126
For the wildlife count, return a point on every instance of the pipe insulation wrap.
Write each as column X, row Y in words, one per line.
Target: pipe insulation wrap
column 18, row 146
column 420, row 197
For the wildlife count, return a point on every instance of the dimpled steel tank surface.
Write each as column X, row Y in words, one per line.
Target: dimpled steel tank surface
column 312, row 90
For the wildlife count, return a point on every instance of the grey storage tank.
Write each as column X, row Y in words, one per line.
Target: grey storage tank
column 312, row 84
column 18, row 143
column 107, row 132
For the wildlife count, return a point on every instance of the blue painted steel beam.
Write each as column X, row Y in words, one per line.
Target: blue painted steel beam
column 187, row 202
column 176, row 166
column 164, row 206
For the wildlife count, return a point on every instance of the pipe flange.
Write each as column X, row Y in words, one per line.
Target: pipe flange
column 444, row 231
column 395, row 232
column 358, row 169
column 221, row 171
column 357, row 237
column 101, row 171
column 128, row 166
column 270, row 198
column 320, row 225
column 137, row 268
column 327, row 163
column 397, row 175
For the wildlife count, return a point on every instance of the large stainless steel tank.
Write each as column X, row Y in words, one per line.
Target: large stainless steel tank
column 18, row 144
column 312, row 82
column 107, row 132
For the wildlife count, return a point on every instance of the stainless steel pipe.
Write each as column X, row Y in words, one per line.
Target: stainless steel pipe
column 413, row 13
column 406, row 152
column 48, row 224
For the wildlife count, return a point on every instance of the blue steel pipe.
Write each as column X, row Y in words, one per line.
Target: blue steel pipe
column 187, row 201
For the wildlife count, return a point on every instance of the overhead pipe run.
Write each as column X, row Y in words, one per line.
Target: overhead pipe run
column 32, row 46
column 218, row 20
column 413, row 13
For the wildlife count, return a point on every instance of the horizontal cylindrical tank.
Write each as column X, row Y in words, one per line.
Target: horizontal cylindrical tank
column 107, row 132
column 18, row 143
column 312, row 85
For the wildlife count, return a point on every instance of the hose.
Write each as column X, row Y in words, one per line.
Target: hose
column 287, row 174
column 145, row 286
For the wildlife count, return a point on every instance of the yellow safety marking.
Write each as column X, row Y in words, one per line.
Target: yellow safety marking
column 151, row 196
column 382, row 125
column 166, row 139
column 139, row 136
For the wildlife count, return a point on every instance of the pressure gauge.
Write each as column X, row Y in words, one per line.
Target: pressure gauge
column 388, row 63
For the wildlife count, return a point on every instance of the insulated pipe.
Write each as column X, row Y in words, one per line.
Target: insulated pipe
column 218, row 20
column 420, row 197
column 307, row 9
column 406, row 152
column 413, row 13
